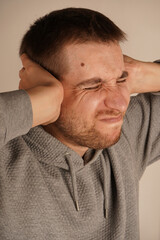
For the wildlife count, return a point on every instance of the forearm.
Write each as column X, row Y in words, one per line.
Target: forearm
column 45, row 92
column 149, row 79
column 15, row 115
column 46, row 101
column 143, row 76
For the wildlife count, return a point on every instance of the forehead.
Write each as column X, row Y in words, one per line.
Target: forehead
column 92, row 59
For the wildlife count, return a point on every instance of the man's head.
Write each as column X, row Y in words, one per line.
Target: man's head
column 81, row 47
column 46, row 39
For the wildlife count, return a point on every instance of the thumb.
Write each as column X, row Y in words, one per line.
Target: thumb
column 127, row 59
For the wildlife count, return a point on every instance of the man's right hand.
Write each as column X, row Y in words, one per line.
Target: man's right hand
column 45, row 91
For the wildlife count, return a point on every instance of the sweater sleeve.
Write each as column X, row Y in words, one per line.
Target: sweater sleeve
column 142, row 128
column 15, row 115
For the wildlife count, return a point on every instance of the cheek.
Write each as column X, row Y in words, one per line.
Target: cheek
column 88, row 104
column 84, row 103
column 126, row 95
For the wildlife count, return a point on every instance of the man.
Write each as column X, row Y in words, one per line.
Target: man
column 76, row 176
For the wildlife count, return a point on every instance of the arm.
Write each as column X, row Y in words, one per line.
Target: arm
column 45, row 92
column 141, row 130
column 141, row 126
column 37, row 102
column 15, row 115
column 143, row 76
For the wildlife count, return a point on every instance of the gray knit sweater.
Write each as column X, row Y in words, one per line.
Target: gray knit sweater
column 43, row 183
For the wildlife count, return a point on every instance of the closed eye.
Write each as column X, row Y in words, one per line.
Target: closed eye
column 121, row 80
column 123, row 77
column 92, row 88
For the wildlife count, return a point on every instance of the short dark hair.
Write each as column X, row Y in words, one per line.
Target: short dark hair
column 47, row 37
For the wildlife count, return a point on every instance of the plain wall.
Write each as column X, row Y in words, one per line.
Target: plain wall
column 140, row 19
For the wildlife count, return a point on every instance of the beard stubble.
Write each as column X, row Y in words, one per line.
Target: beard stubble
column 78, row 132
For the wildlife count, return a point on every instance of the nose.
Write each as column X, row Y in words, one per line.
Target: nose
column 115, row 100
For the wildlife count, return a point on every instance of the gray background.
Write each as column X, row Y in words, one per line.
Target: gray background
column 140, row 19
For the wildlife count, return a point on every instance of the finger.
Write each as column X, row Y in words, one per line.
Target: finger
column 26, row 61
column 21, row 72
column 126, row 58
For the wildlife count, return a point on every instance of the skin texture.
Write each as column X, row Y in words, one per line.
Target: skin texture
column 40, row 86
column 86, row 113
column 92, row 113
column 143, row 76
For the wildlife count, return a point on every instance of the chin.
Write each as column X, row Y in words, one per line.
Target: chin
column 101, row 141
column 110, row 141
column 111, row 136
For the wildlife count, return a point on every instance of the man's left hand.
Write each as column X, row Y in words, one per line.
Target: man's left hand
column 142, row 76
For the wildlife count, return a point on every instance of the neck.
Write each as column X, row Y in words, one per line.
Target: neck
column 51, row 129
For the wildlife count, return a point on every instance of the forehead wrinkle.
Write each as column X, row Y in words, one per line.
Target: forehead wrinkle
column 123, row 74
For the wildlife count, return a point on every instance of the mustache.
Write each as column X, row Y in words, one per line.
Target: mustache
column 110, row 113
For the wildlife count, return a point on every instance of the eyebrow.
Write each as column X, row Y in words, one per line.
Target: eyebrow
column 97, row 80
column 124, row 75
